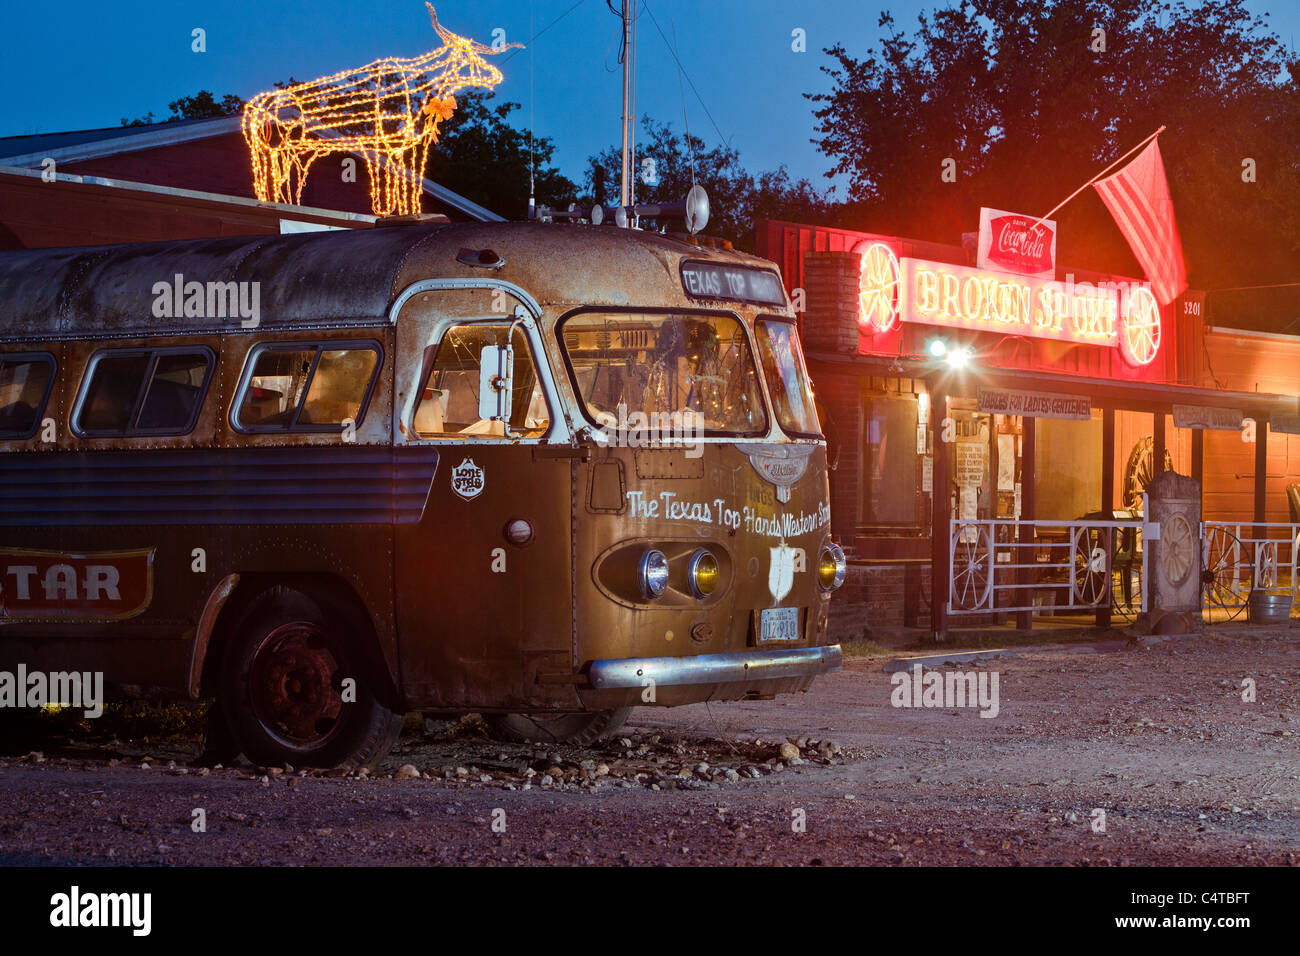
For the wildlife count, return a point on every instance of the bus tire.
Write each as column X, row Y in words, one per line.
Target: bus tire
column 581, row 729
column 283, row 687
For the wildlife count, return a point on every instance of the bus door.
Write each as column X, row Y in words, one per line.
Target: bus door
column 484, row 579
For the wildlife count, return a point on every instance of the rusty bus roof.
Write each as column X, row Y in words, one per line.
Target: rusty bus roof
column 333, row 278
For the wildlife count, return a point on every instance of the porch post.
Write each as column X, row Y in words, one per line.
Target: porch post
column 940, row 513
column 1157, row 442
column 1198, row 461
column 1107, row 491
column 1024, row 555
column 1261, row 471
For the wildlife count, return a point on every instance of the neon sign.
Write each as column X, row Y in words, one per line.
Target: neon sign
column 388, row 112
column 879, row 287
column 937, row 293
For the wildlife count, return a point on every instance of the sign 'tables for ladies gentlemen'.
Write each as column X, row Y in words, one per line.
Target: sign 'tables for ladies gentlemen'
column 1006, row 401
column 1011, row 242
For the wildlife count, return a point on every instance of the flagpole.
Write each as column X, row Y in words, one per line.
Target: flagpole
column 1097, row 177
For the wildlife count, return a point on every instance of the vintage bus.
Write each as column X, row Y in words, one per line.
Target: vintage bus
column 540, row 472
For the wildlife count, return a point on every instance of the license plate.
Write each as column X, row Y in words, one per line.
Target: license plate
column 779, row 624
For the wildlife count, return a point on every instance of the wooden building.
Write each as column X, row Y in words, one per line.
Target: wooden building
column 925, row 402
column 178, row 180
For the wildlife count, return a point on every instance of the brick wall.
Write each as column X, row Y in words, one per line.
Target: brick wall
column 830, row 321
column 874, row 598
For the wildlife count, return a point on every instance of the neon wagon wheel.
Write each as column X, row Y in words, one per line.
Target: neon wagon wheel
column 296, row 688
column 1142, row 327
column 879, row 287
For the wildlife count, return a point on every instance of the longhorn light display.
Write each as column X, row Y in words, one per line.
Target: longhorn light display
column 894, row 289
column 387, row 111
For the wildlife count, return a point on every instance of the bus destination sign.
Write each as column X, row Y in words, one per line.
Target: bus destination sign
column 715, row 280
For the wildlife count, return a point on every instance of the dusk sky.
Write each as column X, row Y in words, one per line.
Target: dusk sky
column 91, row 64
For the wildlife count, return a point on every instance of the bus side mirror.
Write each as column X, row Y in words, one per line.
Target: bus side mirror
column 496, row 372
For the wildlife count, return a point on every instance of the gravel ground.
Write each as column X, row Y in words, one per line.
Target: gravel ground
column 1156, row 736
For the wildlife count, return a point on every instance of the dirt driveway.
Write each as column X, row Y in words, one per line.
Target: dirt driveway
column 1144, row 755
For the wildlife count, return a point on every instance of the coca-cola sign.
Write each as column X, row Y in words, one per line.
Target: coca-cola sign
column 1011, row 242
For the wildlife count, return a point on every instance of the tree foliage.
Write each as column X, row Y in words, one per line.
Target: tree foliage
column 1025, row 99
column 202, row 105
column 485, row 159
column 668, row 164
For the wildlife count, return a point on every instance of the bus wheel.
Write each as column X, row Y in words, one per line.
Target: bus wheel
column 580, row 728
column 295, row 688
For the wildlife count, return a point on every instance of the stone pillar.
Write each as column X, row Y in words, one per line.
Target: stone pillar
column 1172, row 542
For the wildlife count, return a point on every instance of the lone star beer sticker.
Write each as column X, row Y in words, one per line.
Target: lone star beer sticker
column 467, row 479
column 387, row 111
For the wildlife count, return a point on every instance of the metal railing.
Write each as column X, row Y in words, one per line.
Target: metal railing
column 1001, row 565
column 1240, row 556
column 1081, row 565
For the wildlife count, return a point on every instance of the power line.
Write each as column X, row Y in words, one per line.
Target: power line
column 511, row 54
column 1244, row 288
column 660, row 31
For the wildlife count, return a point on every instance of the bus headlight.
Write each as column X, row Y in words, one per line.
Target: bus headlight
column 831, row 567
column 654, row 573
column 703, row 573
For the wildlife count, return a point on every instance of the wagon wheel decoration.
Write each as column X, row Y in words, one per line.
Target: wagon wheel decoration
column 878, row 288
column 1141, row 327
column 1266, row 564
column 1178, row 548
column 972, row 569
column 1091, row 560
column 1140, row 470
column 1226, row 573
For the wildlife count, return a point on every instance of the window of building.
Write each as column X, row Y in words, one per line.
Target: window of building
column 143, row 392
column 25, row 384
column 891, row 464
column 448, row 406
column 307, row 386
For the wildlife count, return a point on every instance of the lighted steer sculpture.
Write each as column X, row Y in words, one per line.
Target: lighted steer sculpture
column 388, row 111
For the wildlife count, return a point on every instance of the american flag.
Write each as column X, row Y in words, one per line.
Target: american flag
column 1138, row 197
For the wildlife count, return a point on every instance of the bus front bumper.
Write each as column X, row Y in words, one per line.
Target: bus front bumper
column 715, row 668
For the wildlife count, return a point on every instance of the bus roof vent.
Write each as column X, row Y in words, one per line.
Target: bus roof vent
column 480, row 258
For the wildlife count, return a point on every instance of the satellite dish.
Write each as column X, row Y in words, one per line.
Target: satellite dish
column 597, row 214
column 697, row 209
column 620, row 216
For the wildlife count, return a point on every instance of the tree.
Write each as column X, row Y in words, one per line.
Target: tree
column 485, row 159
column 667, row 165
column 202, row 105
column 1030, row 100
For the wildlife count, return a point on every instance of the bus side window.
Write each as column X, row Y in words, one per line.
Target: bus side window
column 308, row 386
column 448, row 406
column 25, row 382
column 149, row 392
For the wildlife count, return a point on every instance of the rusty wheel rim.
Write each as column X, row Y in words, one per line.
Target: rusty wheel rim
column 294, row 685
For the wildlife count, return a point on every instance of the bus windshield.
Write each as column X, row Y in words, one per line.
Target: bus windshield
column 787, row 378
column 660, row 363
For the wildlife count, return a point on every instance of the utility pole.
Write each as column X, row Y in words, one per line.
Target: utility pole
column 626, row 200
